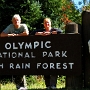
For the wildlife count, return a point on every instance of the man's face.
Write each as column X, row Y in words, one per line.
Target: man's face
column 47, row 23
column 16, row 21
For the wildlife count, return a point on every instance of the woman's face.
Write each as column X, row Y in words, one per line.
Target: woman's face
column 47, row 23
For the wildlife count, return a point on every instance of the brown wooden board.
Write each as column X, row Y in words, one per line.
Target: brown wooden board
column 35, row 55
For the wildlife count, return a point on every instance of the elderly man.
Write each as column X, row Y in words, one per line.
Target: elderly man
column 17, row 29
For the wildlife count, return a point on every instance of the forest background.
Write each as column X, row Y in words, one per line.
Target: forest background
column 33, row 12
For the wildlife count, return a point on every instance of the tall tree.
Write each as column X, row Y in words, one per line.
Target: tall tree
column 60, row 11
column 33, row 12
column 29, row 11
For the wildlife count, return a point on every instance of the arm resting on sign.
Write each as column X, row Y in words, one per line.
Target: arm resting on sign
column 22, row 34
column 6, row 35
column 13, row 34
column 43, row 33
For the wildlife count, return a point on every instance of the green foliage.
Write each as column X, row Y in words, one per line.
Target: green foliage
column 32, row 12
column 55, row 9
column 51, row 8
column 31, row 79
column 33, row 82
column 29, row 11
column 73, row 14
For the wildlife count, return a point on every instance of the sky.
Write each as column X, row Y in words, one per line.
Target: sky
column 78, row 3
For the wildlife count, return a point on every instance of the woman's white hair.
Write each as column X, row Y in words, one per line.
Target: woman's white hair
column 16, row 16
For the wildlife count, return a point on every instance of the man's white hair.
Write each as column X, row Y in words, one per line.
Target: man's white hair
column 16, row 16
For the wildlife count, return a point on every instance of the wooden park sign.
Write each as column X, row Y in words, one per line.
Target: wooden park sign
column 40, row 55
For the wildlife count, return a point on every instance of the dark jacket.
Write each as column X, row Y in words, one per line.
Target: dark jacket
column 42, row 30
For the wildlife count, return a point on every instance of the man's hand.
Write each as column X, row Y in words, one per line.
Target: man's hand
column 11, row 35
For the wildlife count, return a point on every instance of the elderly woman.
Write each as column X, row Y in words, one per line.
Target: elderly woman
column 50, row 80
